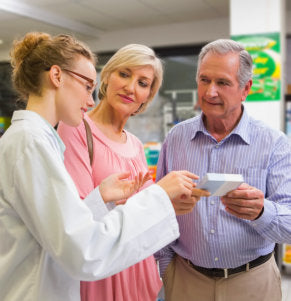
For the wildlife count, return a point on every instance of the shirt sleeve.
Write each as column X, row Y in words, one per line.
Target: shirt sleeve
column 47, row 201
column 275, row 222
column 77, row 159
column 165, row 255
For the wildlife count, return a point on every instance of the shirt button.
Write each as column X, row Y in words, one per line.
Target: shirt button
column 216, row 258
column 212, row 231
column 216, row 146
column 212, row 203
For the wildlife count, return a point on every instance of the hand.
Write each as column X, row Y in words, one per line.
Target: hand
column 117, row 188
column 185, row 205
column 245, row 202
column 140, row 180
column 198, row 193
column 178, row 185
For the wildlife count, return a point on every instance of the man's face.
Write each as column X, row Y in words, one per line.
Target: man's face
column 219, row 94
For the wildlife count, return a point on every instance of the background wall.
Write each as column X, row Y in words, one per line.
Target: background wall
column 149, row 126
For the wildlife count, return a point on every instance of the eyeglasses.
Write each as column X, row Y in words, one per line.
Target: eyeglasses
column 93, row 83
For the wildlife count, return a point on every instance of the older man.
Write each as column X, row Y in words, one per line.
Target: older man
column 225, row 249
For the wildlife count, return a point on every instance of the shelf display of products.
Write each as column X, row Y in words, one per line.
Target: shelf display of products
column 286, row 260
column 152, row 151
column 4, row 124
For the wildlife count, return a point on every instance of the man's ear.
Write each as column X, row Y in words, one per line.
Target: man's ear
column 55, row 75
column 246, row 90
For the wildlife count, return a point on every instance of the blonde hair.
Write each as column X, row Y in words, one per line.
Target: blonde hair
column 36, row 52
column 133, row 55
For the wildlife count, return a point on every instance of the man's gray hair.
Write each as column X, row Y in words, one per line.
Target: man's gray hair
column 225, row 46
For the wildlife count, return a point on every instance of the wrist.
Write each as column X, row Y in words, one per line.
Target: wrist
column 260, row 214
column 103, row 194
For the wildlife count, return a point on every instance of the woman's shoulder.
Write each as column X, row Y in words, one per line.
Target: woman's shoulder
column 132, row 138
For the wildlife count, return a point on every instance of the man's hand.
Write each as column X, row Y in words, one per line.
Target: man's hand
column 244, row 202
column 116, row 188
column 180, row 188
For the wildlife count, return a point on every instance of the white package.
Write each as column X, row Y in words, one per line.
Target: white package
column 219, row 184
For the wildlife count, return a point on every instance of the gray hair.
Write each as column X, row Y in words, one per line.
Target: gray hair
column 224, row 46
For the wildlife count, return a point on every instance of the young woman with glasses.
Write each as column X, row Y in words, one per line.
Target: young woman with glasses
column 50, row 239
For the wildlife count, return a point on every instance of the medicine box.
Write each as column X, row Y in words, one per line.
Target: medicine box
column 220, row 184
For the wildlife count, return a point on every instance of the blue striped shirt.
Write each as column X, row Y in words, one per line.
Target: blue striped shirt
column 211, row 237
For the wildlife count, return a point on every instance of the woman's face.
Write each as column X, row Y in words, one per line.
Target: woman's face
column 128, row 88
column 76, row 95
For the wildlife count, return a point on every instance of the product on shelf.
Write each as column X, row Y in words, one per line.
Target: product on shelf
column 152, row 151
column 287, row 254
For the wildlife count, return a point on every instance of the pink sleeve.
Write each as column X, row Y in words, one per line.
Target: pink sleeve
column 77, row 159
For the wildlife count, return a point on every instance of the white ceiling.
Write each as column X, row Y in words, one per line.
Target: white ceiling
column 91, row 19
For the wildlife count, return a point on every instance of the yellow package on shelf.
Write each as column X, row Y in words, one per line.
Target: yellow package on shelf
column 287, row 254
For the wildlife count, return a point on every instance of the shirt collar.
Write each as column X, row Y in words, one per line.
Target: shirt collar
column 241, row 129
column 34, row 117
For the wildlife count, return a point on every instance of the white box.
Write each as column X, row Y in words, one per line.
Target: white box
column 219, row 184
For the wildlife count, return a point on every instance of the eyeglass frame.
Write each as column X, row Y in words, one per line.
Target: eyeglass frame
column 89, row 80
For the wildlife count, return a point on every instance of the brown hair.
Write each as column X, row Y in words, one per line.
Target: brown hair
column 36, row 52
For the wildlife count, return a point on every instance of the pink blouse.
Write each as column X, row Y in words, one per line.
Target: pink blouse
column 140, row 282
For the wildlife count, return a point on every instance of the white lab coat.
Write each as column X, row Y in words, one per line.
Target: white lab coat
column 49, row 238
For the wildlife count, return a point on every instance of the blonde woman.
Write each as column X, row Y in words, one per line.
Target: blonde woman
column 129, row 81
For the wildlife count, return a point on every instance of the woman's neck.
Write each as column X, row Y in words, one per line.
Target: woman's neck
column 43, row 107
column 109, row 122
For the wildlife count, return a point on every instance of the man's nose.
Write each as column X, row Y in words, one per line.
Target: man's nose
column 211, row 90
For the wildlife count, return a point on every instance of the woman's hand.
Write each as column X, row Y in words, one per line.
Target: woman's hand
column 180, row 188
column 116, row 188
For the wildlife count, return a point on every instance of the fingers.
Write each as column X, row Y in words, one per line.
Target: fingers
column 244, row 212
column 184, row 206
column 244, row 186
column 122, row 175
column 136, row 183
column 245, row 193
column 141, row 179
column 121, row 202
column 246, row 202
column 200, row 192
column 146, row 178
column 188, row 174
column 185, row 177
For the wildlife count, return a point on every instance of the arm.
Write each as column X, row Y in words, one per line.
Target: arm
column 48, row 203
column 165, row 255
column 270, row 214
